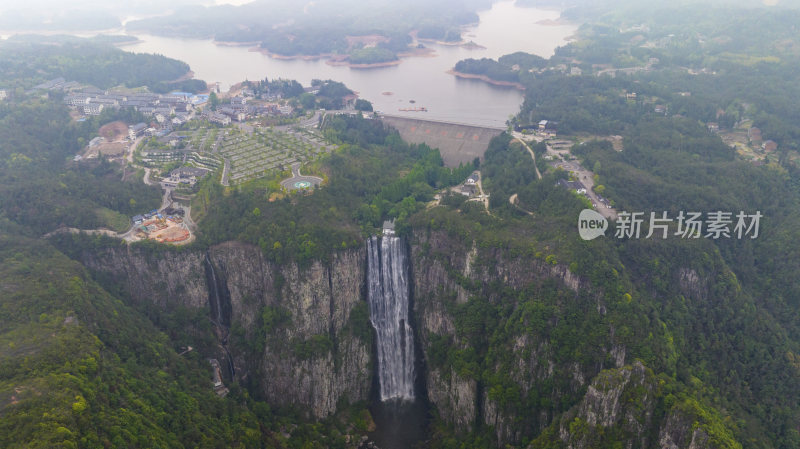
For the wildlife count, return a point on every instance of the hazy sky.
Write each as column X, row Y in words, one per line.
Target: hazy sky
column 21, row 15
column 122, row 7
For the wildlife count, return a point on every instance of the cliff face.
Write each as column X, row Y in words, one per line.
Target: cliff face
column 622, row 399
column 310, row 358
column 166, row 279
column 620, row 406
column 509, row 342
column 447, row 273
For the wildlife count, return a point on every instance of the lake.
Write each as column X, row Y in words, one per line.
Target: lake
column 503, row 29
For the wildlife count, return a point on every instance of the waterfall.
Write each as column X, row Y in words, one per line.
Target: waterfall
column 388, row 297
column 213, row 291
column 219, row 297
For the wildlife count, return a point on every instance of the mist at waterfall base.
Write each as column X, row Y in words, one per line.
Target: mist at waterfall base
column 399, row 411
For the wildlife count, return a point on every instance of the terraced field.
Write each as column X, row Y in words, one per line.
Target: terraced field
column 200, row 139
column 254, row 155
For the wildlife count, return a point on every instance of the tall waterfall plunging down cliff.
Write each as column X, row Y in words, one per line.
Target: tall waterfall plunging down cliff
column 388, row 297
column 219, row 299
column 213, row 292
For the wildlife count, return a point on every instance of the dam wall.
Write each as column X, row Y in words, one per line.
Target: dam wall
column 458, row 143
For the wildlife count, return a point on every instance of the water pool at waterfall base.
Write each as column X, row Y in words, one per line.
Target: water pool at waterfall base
column 399, row 408
column 400, row 424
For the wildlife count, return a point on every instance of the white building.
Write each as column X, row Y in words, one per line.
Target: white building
column 221, row 119
column 136, row 130
column 388, row 228
column 92, row 109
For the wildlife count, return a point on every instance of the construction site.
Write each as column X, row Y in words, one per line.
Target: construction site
column 163, row 229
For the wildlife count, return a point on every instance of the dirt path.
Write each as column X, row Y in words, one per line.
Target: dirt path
column 514, row 200
column 66, row 230
column 533, row 156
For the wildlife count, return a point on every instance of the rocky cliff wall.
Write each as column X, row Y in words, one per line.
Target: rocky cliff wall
column 300, row 336
column 447, row 273
column 311, row 360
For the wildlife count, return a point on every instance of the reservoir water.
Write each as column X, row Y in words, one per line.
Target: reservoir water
column 503, row 29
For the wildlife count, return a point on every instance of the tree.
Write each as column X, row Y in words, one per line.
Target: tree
column 363, row 105
column 213, row 101
column 308, row 101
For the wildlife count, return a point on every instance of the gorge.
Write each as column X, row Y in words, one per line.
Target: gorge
column 301, row 335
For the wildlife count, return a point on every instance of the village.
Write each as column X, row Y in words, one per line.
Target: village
column 241, row 136
column 246, row 138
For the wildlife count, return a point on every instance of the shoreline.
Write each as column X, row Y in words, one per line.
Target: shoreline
column 132, row 41
column 186, row 76
column 486, row 79
column 560, row 21
column 339, row 60
column 234, row 43
column 469, row 45
column 266, row 52
column 372, row 65
column 425, row 52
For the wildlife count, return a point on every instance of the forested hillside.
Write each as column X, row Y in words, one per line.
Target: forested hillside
column 42, row 191
column 527, row 335
column 323, row 28
column 79, row 366
column 29, row 60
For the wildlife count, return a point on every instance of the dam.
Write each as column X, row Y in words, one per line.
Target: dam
column 458, row 143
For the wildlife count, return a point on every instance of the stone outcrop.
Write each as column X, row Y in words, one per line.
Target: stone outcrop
column 619, row 406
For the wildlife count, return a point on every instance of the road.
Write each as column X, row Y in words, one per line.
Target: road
column 132, row 149
column 580, row 173
column 311, row 122
column 146, row 177
column 187, row 219
column 482, row 197
column 226, row 170
column 166, row 200
column 513, row 199
column 586, row 177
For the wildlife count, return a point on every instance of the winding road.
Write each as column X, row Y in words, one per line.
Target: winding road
column 518, row 138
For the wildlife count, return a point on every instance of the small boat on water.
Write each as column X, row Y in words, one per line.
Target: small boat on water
column 419, row 109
